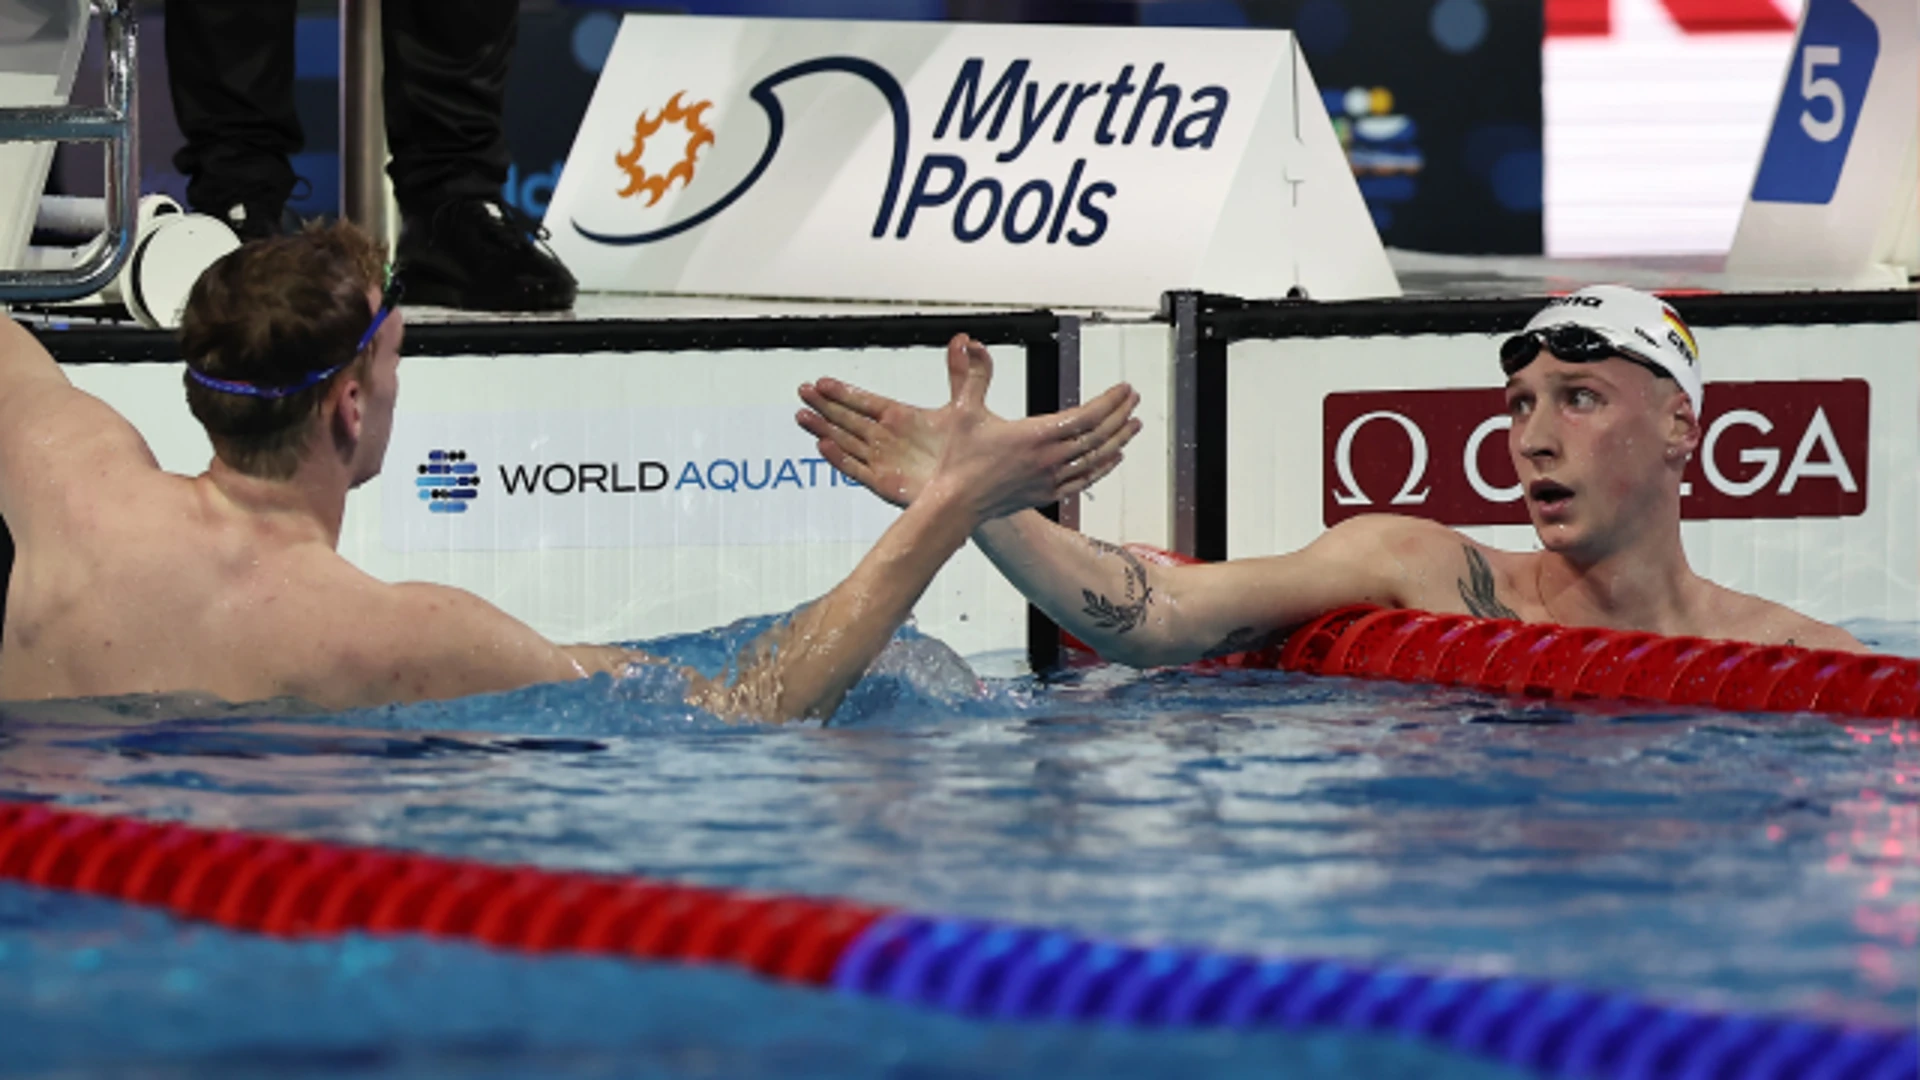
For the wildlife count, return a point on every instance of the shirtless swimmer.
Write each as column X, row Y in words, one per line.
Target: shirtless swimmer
column 128, row 579
column 1604, row 388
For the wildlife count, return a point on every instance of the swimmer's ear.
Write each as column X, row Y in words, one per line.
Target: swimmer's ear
column 350, row 406
column 1683, row 426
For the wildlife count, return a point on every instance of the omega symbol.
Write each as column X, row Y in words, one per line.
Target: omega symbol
column 1343, row 462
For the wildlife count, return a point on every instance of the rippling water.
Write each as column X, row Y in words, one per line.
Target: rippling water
column 1767, row 863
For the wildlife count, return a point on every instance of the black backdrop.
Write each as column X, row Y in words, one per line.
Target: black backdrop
column 1444, row 123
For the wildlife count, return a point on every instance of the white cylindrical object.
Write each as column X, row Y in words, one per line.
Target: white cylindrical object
column 168, row 258
column 170, row 252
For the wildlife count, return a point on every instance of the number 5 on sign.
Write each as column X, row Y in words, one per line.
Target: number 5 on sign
column 1819, row 107
column 1835, row 202
column 1813, row 57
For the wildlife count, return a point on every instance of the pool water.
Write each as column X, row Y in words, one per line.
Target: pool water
column 1739, row 862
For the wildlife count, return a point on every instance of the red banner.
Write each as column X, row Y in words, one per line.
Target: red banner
column 1769, row 450
column 1594, row 18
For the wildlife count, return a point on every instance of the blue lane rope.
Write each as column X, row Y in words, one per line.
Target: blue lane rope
column 1007, row 972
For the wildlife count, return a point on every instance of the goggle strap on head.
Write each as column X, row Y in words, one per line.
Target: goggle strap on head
column 267, row 393
column 390, row 295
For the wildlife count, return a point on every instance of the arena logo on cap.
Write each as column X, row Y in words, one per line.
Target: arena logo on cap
column 447, row 482
column 1768, row 450
column 1574, row 301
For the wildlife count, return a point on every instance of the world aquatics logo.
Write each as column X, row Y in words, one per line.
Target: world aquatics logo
column 448, row 482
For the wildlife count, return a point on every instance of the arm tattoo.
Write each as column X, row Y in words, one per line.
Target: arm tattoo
column 1478, row 595
column 1245, row 639
column 1127, row 614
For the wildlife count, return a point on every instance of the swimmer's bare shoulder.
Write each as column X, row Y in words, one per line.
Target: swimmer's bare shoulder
column 417, row 641
column 54, row 437
column 1741, row 616
column 1384, row 559
column 1416, row 563
column 1424, row 564
column 437, row 641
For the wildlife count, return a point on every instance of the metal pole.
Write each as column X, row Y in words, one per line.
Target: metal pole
column 1183, row 310
column 364, row 197
column 1068, row 338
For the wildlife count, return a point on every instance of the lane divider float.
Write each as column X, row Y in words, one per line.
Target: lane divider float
column 1571, row 663
column 974, row 968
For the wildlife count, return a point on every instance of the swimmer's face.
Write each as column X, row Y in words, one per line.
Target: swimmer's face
column 1599, row 448
column 382, row 390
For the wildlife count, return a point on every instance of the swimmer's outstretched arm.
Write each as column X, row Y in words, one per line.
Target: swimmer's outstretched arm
column 1131, row 611
column 985, row 468
column 1150, row 615
column 803, row 666
column 52, row 434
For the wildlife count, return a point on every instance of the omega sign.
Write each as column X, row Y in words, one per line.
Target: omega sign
column 1770, row 450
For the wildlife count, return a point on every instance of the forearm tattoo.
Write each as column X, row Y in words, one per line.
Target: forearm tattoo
column 1476, row 589
column 1132, row 610
column 1245, row 639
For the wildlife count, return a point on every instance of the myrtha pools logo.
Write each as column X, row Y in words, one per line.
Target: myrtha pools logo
column 996, row 114
column 448, row 482
column 633, row 162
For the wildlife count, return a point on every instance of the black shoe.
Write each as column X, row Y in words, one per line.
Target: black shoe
column 482, row 255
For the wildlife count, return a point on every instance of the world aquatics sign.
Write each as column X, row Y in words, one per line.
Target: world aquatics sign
column 942, row 162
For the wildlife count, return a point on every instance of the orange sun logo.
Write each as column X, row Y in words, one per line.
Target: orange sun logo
column 656, row 184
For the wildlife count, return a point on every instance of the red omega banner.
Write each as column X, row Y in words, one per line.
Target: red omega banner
column 1768, row 450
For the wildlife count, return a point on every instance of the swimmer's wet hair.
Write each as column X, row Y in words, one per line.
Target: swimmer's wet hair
column 271, row 313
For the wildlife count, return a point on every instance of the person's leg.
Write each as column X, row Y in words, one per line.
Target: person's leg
column 445, row 90
column 230, row 68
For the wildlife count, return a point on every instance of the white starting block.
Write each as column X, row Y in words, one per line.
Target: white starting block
column 141, row 253
column 171, row 248
column 1836, row 197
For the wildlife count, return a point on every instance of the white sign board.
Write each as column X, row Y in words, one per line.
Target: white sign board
column 1655, row 111
column 586, row 559
column 953, row 162
column 616, row 478
column 1836, row 198
column 1805, row 489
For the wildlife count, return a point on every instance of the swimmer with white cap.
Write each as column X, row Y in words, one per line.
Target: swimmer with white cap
column 1605, row 391
column 129, row 579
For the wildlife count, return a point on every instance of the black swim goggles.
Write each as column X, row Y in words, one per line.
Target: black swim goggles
column 390, row 297
column 1572, row 343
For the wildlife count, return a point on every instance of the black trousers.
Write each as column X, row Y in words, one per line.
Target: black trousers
column 230, row 67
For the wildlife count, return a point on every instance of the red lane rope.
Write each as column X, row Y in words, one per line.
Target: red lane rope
column 1582, row 662
column 271, row 885
column 295, row 888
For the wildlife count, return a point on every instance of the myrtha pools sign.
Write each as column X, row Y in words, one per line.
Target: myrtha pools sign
column 948, row 162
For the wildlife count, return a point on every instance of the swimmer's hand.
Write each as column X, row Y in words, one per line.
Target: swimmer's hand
column 896, row 449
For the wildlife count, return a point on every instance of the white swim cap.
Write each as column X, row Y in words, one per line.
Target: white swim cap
column 1638, row 324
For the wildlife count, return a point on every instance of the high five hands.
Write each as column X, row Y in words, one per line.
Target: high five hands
column 1001, row 466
